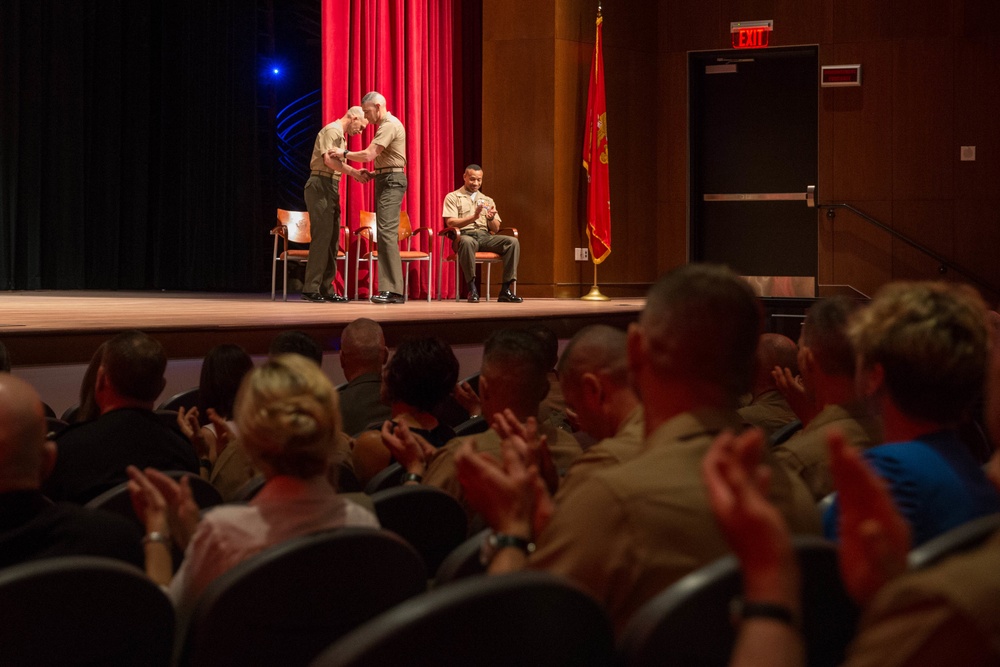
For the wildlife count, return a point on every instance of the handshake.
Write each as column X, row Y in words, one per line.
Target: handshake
column 363, row 175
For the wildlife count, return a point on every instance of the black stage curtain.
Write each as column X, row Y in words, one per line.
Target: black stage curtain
column 132, row 145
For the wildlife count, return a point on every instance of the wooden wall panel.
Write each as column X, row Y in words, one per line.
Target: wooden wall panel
column 923, row 149
column 923, row 19
column 928, row 222
column 977, row 237
column 861, row 21
column 862, row 147
column 862, row 254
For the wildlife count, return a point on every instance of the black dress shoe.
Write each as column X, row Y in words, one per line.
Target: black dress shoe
column 506, row 296
column 335, row 298
column 473, row 295
column 315, row 297
column 388, row 297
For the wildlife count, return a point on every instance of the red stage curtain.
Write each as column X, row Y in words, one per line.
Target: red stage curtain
column 404, row 50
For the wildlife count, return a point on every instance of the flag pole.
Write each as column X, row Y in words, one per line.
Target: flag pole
column 595, row 292
column 595, row 161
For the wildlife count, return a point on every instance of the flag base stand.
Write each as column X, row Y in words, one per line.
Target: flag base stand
column 595, row 291
column 595, row 295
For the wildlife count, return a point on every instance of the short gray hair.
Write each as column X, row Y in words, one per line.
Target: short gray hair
column 356, row 112
column 373, row 97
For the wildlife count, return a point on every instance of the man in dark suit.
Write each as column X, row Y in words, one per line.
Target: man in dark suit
column 92, row 456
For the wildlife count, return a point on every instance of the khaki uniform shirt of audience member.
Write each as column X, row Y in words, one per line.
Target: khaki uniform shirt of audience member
column 461, row 203
column 391, row 136
column 948, row 614
column 806, row 454
column 623, row 446
column 768, row 412
column 441, row 467
column 629, row 531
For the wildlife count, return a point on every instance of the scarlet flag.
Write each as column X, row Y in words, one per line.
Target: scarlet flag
column 595, row 159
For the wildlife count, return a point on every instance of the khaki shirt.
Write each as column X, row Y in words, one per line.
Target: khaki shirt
column 769, row 412
column 441, row 467
column 391, row 136
column 623, row 446
column 629, row 531
column 461, row 203
column 947, row 614
column 806, row 454
column 331, row 136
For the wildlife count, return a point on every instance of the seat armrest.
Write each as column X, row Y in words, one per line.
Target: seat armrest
column 427, row 231
column 449, row 232
column 511, row 231
column 280, row 230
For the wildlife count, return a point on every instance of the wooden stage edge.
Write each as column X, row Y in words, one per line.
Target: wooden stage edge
column 48, row 327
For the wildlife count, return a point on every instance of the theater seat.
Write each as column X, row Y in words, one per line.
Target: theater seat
column 284, row 605
column 522, row 618
column 83, row 610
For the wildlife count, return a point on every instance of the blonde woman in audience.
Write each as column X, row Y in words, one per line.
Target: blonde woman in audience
column 288, row 416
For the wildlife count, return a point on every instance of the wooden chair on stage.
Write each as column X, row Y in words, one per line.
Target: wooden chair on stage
column 293, row 227
column 368, row 231
column 487, row 259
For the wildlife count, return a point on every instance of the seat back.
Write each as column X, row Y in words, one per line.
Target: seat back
column 463, row 561
column 387, row 478
column 83, row 610
column 522, row 618
column 250, row 489
column 690, row 624
column 118, row 501
column 957, row 540
column 297, row 225
column 369, row 223
column 186, row 399
column 284, row 605
column 428, row 518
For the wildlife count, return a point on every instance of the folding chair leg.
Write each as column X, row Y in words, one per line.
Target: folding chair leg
column 489, row 271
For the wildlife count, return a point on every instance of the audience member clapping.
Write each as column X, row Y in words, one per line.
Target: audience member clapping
column 922, row 358
column 362, row 355
column 288, row 418
column 630, row 530
column 224, row 462
column 420, row 374
column 93, row 455
column 826, row 365
column 768, row 408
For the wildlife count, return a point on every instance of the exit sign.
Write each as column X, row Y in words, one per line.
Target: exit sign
column 751, row 34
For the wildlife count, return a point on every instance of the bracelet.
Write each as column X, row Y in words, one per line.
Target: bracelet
column 411, row 477
column 155, row 536
column 740, row 610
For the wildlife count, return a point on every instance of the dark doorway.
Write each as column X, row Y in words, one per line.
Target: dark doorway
column 754, row 132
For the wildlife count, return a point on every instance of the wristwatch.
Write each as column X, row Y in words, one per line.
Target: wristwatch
column 346, row 151
column 494, row 542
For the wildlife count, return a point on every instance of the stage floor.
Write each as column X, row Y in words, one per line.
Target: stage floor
column 48, row 327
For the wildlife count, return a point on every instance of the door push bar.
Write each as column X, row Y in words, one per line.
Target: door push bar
column 809, row 196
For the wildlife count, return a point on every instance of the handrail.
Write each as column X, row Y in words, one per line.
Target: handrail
column 944, row 263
